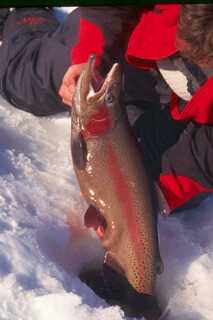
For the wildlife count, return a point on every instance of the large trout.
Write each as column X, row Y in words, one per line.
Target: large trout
column 112, row 178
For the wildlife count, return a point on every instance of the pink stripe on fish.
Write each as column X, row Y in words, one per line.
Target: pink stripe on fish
column 125, row 198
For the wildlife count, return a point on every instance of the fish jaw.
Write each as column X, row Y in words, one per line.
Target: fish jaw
column 84, row 88
column 95, row 113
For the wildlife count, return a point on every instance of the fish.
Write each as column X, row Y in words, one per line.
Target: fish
column 112, row 177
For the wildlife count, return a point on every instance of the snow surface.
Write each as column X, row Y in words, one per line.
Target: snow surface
column 43, row 244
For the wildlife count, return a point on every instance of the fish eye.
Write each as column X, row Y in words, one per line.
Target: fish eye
column 109, row 98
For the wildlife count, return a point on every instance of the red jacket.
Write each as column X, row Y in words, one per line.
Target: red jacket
column 148, row 34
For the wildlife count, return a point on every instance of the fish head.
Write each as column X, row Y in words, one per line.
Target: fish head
column 95, row 112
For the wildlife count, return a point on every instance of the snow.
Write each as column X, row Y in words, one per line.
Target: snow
column 44, row 245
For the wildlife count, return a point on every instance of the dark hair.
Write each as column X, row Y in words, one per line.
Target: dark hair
column 195, row 32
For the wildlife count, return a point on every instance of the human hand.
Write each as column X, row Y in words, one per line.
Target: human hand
column 69, row 81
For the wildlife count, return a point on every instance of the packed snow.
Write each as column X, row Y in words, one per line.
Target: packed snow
column 44, row 245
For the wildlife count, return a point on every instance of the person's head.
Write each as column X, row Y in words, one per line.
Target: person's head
column 195, row 33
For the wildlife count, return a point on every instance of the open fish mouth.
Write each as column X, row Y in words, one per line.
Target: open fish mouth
column 97, row 108
column 94, row 90
column 110, row 82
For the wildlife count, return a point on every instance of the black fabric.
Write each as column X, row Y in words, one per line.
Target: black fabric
column 174, row 147
column 116, row 290
column 192, row 155
column 139, row 86
column 116, row 24
column 3, row 16
column 156, row 132
column 35, row 55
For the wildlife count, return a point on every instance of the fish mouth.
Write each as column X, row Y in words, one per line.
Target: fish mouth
column 94, row 101
column 91, row 90
column 112, row 79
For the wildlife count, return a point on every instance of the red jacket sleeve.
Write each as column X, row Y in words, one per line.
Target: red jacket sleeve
column 103, row 31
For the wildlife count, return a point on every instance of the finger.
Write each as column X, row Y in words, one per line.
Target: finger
column 71, row 75
column 67, row 102
column 66, row 92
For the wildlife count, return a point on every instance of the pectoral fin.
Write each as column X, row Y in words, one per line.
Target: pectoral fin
column 79, row 151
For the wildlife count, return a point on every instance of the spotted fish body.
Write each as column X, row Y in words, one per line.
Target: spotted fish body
column 112, row 178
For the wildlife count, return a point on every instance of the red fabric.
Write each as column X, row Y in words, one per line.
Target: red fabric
column 154, row 36
column 152, row 39
column 199, row 108
column 32, row 20
column 141, row 64
column 91, row 41
column 179, row 189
